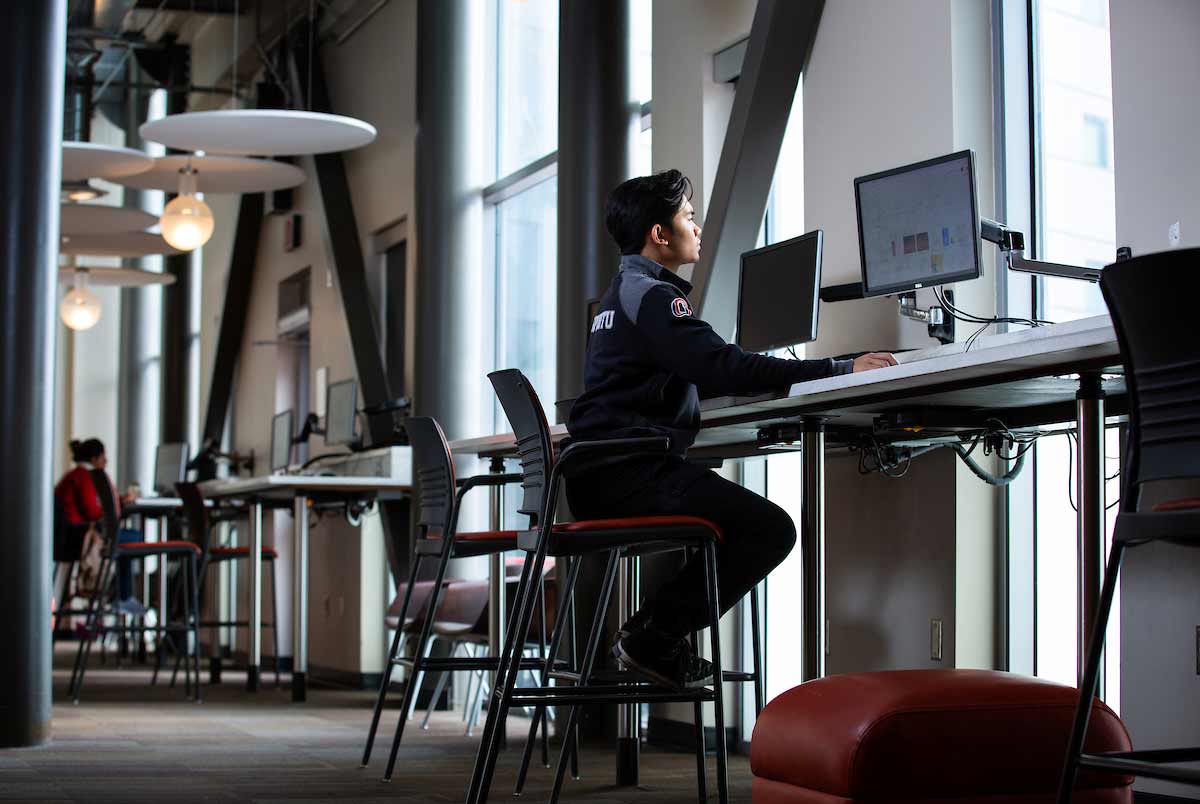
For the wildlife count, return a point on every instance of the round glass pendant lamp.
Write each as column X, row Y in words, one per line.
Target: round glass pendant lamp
column 187, row 222
column 80, row 308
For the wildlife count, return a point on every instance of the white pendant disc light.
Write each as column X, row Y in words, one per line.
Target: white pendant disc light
column 79, row 219
column 259, row 132
column 218, row 174
column 91, row 160
column 119, row 244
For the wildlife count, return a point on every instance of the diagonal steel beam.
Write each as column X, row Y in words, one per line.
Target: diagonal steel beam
column 781, row 39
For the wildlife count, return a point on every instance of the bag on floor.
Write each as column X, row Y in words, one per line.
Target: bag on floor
column 91, row 559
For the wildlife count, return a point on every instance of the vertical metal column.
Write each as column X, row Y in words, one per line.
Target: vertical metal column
column 300, row 599
column 31, row 98
column 812, row 548
column 1089, row 491
column 629, row 725
column 160, row 565
column 496, row 580
column 254, row 662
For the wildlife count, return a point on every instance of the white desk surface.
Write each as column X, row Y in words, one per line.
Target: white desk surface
column 283, row 485
column 1031, row 352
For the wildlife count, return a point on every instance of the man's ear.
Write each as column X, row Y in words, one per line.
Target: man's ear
column 656, row 235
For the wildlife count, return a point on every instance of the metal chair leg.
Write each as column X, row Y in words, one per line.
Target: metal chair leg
column 698, row 727
column 193, row 581
column 275, row 618
column 439, row 688
column 756, row 647
column 1091, row 675
column 539, row 715
column 714, row 618
column 91, row 631
column 393, row 654
column 589, row 659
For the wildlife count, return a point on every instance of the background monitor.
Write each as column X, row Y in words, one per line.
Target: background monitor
column 918, row 225
column 281, row 441
column 778, row 294
column 170, row 467
column 341, row 401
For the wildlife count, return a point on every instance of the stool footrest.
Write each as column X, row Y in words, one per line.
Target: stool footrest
column 607, row 694
column 1149, row 764
column 480, row 663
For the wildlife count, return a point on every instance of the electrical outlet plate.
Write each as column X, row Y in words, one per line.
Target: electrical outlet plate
column 1173, row 236
column 935, row 639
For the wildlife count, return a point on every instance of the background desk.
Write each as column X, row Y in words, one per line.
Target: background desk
column 295, row 490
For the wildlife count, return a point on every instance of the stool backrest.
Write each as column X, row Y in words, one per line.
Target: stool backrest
column 111, row 520
column 1150, row 300
column 195, row 514
column 433, row 467
column 528, row 420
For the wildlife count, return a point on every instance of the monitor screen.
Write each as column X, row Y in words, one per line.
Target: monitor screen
column 340, row 401
column 779, row 292
column 170, row 467
column 918, row 225
column 281, row 441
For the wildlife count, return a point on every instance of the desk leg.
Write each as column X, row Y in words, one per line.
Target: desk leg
column 629, row 724
column 1089, row 491
column 255, row 567
column 812, row 548
column 300, row 600
column 497, row 616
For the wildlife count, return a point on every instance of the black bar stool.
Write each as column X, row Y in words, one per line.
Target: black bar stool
column 614, row 538
column 187, row 553
column 1146, row 298
column 440, row 495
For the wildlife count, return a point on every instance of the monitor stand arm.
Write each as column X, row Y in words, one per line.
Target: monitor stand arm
column 941, row 326
column 1012, row 249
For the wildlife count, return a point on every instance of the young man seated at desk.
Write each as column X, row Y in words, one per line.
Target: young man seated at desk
column 649, row 362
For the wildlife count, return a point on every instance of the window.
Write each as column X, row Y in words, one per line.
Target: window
column 527, row 82
column 521, row 205
column 1072, row 90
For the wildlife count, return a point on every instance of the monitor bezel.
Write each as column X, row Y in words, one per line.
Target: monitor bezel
column 291, row 419
column 816, row 234
column 905, row 287
column 353, row 404
column 180, row 474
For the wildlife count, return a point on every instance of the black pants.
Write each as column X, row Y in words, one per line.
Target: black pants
column 758, row 534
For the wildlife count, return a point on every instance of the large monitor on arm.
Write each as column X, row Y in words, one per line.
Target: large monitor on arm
column 778, row 294
column 281, row 441
column 170, row 467
column 918, row 225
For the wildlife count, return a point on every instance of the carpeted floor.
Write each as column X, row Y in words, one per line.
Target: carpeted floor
column 129, row 742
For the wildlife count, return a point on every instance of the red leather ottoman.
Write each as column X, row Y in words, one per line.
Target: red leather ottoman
column 950, row 736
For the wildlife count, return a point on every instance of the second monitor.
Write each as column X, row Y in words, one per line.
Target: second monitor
column 341, row 412
column 779, row 293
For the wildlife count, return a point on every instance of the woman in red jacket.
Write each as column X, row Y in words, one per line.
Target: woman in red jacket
column 76, row 494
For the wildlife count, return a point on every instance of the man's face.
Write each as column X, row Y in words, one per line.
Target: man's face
column 685, row 235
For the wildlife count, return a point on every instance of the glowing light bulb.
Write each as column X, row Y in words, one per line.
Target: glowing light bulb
column 187, row 222
column 80, row 308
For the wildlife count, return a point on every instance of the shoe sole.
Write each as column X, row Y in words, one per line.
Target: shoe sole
column 629, row 663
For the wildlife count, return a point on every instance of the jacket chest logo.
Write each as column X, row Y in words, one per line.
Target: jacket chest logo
column 603, row 321
column 680, row 308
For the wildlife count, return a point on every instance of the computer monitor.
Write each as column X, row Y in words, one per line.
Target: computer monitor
column 918, row 225
column 778, row 294
column 281, row 441
column 170, row 467
column 341, row 399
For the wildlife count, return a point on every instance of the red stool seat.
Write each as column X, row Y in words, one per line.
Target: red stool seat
column 142, row 548
column 922, row 735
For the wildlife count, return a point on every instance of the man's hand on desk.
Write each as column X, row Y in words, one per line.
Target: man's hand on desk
column 873, row 360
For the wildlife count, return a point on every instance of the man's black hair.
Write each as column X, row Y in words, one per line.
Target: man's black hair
column 635, row 206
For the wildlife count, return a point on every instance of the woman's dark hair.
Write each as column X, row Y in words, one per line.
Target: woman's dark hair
column 635, row 206
column 86, row 451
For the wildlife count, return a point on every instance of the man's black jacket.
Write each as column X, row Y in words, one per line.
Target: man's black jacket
column 650, row 362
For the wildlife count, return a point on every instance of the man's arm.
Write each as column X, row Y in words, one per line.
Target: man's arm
column 691, row 349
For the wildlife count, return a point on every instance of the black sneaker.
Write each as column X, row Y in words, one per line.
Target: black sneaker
column 663, row 659
column 639, row 620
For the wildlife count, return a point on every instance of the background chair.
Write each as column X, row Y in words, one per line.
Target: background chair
column 199, row 525
column 187, row 553
column 1146, row 297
